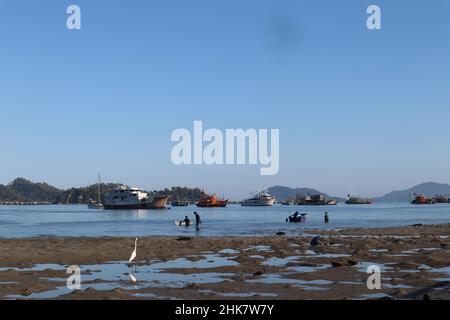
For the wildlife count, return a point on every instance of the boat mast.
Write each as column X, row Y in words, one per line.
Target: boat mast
column 99, row 187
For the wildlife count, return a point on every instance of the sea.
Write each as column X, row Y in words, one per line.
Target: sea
column 79, row 221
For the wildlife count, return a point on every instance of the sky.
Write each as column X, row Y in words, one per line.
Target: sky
column 359, row 111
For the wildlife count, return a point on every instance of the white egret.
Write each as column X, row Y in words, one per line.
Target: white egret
column 133, row 254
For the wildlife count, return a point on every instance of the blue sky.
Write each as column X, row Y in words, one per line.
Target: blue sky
column 359, row 111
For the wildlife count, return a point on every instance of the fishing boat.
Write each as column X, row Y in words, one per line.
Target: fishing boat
column 133, row 198
column 357, row 200
column 442, row 199
column 180, row 203
column 316, row 200
column 97, row 204
column 211, row 201
column 421, row 199
column 260, row 199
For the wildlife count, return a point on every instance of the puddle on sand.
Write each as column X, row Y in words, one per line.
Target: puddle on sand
column 259, row 248
column 37, row 268
column 324, row 255
column 445, row 271
column 112, row 275
column 240, row 294
column 378, row 250
column 209, row 261
column 229, row 251
column 309, row 269
column 279, row 262
column 362, row 266
column 414, row 251
column 373, row 296
column 257, row 257
column 307, row 285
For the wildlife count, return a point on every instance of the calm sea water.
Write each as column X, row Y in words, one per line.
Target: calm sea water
column 78, row 220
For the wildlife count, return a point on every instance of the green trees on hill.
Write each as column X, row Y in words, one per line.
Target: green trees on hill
column 23, row 190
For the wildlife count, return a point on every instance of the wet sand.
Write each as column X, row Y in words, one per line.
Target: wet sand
column 414, row 262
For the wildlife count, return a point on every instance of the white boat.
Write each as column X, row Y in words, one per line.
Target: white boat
column 97, row 204
column 260, row 199
column 133, row 198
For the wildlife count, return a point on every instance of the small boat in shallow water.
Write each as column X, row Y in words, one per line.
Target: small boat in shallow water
column 182, row 223
column 299, row 218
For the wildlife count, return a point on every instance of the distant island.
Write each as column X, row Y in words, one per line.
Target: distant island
column 25, row 191
column 429, row 189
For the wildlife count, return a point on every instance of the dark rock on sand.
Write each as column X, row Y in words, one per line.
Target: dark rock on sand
column 315, row 241
column 344, row 262
column 184, row 239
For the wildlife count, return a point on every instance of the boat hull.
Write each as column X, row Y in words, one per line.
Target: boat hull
column 220, row 204
column 157, row 203
column 258, row 203
column 97, row 206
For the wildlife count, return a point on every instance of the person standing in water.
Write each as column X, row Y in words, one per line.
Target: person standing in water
column 198, row 221
column 326, row 218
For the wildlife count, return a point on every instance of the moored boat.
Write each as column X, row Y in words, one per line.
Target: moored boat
column 97, row 204
column 260, row 199
column 316, row 200
column 442, row 199
column 180, row 203
column 421, row 200
column 133, row 198
column 211, row 201
column 357, row 200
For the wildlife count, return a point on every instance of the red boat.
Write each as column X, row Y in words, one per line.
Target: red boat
column 211, row 201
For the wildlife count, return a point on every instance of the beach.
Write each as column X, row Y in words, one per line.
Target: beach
column 414, row 263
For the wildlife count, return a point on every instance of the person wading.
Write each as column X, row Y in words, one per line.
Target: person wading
column 198, row 220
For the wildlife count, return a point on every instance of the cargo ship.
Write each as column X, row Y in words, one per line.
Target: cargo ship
column 211, row 201
column 423, row 200
column 133, row 198
column 357, row 200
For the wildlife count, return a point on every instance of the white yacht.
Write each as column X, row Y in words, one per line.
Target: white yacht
column 260, row 199
column 133, row 198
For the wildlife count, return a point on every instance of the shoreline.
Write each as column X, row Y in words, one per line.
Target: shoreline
column 414, row 261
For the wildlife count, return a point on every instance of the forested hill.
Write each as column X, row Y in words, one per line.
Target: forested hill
column 22, row 190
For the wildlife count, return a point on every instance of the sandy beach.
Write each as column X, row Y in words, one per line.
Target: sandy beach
column 414, row 262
